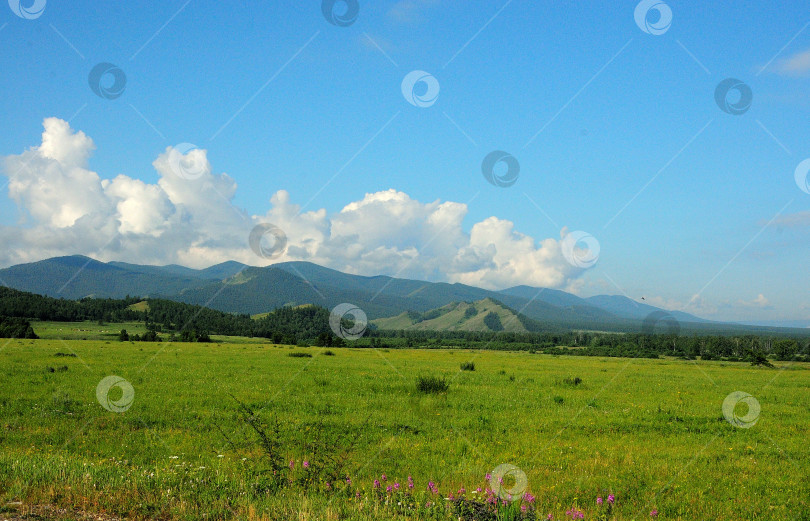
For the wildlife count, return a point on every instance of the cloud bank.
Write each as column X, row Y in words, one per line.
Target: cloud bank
column 188, row 218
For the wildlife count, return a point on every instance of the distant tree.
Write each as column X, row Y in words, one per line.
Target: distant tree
column 785, row 349
column 757, row 357
column 123, row 336
column 150, row 336
column 493, row 321
column 16, row 328
column 329, row 340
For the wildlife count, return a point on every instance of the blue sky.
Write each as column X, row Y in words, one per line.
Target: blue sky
column 616, row 131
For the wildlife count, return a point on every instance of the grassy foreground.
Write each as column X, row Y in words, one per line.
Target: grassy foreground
column 650, row 432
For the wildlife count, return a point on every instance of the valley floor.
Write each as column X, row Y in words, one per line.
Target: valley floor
column 184, row 442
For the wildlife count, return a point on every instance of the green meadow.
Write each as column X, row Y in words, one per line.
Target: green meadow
column 650, row 432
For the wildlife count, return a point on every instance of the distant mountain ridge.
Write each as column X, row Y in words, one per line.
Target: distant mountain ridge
column 76, row 277
column 237, row 288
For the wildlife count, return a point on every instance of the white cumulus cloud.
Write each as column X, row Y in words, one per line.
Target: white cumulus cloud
column 760, row 302
column 188, row 218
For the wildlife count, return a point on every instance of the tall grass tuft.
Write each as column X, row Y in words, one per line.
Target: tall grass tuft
column 468, row 366
column 431, row 385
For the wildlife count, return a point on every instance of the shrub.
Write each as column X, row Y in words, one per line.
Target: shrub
column 573, row 382
column 299, row 354
column 468, row 366
column 559, row 400
column 328, row 353
column 431, row 385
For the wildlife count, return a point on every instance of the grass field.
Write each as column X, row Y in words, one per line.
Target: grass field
column 94, row 331
column 84, row 330
column 650, row 432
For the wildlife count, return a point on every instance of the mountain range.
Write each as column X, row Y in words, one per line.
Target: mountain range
column 238, row 288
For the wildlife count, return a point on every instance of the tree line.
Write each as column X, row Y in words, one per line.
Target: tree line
column 173, row 320
column 747, row 347
column 170, row 320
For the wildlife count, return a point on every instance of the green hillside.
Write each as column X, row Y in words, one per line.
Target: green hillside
column 458, row 316
column 234, row 288
column 139, row 306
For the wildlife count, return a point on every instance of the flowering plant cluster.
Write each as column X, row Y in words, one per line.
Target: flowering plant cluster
column 479, row 504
